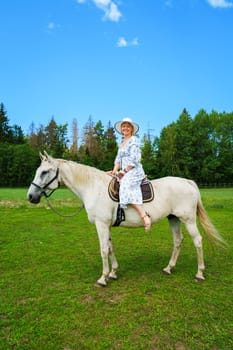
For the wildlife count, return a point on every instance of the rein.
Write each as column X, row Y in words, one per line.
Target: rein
column 62, row 215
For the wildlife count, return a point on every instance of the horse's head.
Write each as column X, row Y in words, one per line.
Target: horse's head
column 46, row 179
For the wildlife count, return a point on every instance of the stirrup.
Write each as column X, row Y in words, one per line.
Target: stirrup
column 148, row 224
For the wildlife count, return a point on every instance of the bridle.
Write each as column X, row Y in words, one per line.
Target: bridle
column 43, row 188
column 47, row 195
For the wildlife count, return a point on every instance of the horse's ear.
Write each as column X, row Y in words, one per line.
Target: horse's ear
column 42, row 157
column 45, row 156
column 48, row 157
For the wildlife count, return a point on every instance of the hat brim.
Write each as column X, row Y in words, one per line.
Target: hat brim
column 118, row 125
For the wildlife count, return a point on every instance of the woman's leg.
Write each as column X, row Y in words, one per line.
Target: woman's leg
column 144, row 215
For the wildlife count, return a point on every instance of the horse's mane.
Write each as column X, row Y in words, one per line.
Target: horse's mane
column 84, row 172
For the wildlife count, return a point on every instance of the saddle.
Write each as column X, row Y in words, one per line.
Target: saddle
column 146, row 187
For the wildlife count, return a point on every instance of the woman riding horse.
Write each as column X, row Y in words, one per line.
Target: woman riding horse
column 129, row 169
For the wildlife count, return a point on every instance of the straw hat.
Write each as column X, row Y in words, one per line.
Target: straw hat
column 118, row 125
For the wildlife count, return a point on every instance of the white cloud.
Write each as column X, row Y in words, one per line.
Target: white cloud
column 102, row 2
column 169, row 3
column 122, row 42
column 109, row 7
column 112, row 12
column 51, row 26
column 220, row 3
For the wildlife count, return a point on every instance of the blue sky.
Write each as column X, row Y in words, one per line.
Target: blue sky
column 144, row 59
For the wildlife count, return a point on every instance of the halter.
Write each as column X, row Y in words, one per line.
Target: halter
column 47, row 195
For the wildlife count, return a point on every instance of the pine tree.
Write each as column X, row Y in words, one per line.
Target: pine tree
column 149, row 156
column 5, row 130
column 184, row 144
column 167, row 151
column 74, row 145
column 110, row 147
column 56, row 138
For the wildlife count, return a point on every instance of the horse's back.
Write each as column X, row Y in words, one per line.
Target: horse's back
column 178, row 194
column 175, row 183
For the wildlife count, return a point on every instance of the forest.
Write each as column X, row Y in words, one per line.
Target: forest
column 198, row 148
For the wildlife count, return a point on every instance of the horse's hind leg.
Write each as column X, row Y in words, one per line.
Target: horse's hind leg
column 197, row 240
column 175, row 227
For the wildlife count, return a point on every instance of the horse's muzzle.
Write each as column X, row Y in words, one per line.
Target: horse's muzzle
column 34, row 198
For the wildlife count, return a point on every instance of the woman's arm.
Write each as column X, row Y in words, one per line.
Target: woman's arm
column 115, row 169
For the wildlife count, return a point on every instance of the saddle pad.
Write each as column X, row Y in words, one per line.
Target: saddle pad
column 146, row 187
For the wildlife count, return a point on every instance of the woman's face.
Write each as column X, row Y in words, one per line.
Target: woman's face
column 126, row 129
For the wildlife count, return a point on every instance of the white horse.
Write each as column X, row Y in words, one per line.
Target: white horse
column 176, row 198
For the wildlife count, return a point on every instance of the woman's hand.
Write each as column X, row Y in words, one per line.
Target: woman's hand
column 128, row 168
column 120, row 174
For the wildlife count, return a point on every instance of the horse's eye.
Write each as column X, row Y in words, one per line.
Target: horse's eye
column 43, row 173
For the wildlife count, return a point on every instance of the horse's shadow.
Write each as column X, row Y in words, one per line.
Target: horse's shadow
column 150, row 264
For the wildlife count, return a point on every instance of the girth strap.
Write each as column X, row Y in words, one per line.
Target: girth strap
column 120, row 216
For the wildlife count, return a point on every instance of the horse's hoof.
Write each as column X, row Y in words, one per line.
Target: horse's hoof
column 100, row 285
column 101, row 282
column 112, row 276
column 199, row 279
column 165, row 272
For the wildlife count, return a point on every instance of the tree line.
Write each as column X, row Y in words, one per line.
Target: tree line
column 199, row 148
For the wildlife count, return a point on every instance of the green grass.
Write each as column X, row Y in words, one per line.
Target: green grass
column 49, row 266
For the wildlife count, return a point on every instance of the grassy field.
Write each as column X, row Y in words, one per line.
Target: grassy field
column 49, row 266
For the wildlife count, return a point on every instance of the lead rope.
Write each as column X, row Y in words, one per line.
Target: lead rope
column 62, row 215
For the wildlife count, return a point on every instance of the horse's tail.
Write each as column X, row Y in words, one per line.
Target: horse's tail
column 210, row 230
column 212, row 233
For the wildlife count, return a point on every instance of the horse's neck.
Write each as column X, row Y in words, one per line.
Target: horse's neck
column 80, row 179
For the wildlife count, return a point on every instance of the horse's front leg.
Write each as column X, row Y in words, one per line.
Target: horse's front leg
column 113, row 273
column 106, row 249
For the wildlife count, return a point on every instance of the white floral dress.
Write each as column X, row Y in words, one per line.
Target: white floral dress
column 130, row 155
